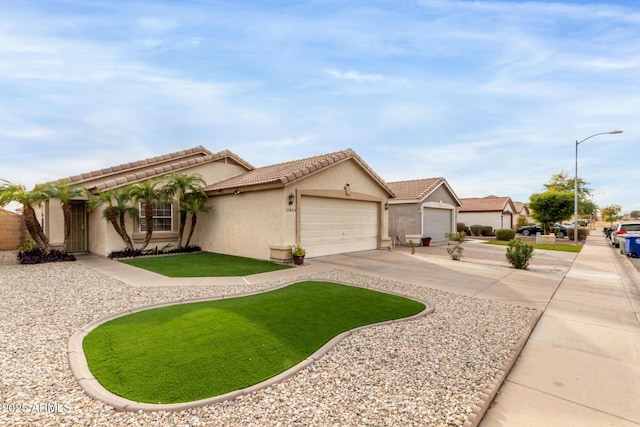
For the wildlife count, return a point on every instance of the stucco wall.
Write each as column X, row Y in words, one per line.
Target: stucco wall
column 494, row 219
column 12, row 230
column 404, row 219
column 246, row 224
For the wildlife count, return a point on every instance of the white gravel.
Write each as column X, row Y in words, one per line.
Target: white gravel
column 425, row 372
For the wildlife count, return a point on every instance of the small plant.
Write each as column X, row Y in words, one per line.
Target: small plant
column 455, row 252
column 27, row 246
column 505, row 234
column 519, row 253
column 413, row 247
column 298, row 251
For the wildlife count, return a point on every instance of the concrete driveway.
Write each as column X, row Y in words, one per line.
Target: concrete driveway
column 483, row 271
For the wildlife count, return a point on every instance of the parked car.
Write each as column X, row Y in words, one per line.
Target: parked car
column 624, row 228
column 559, row 230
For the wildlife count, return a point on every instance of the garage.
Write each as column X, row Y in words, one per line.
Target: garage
column 335, row 226
column 435, row 223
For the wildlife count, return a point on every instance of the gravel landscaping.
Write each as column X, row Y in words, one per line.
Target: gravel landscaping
column 430, row 371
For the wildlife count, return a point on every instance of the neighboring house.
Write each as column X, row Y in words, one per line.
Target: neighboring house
column 422, row 208
column 521, row 210
column 494, row 211
column 329, row 204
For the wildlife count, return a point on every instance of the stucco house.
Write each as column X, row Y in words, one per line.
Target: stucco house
column 521, row 210
column 422, row 208
column 497, row 212
column 329, row 204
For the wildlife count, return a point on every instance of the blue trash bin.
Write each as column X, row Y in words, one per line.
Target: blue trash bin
column 632, row 245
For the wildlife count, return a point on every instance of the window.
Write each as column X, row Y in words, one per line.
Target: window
column 162, row 217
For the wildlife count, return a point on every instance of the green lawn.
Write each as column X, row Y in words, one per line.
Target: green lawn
column 204, row 264
column 547, row 247
column 193, row 351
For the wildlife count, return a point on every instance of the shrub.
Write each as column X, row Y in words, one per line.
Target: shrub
column 455, row 252
column 128, row 253
column 487, row 230
column 27, row 246
column 38, row 256
column 476, row 230
column 582, row 233
column 460, row 227
column 519, row 253
column 505, row 234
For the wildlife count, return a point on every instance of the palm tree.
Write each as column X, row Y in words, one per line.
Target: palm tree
column 194, row 204
column 116, row 209
column 64, row 192
column 28, row 198
column 181, row 186
column 148, row 193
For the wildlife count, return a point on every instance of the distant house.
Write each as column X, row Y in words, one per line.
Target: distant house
column 521, row 211
column 330, row 204
column 422, row 208
column 494, row 211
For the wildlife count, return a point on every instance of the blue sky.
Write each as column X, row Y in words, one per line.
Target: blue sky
column 491, row 95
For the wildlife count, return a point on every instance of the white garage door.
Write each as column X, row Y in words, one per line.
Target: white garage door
column 435, row 223
column 337, row 226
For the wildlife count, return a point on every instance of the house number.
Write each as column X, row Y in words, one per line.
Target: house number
column 291, row 209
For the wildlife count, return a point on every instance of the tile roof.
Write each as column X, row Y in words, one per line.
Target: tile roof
column 416, row 189
column 152, row 167
column 520, row 207
column 484, row 204
column 288, row 172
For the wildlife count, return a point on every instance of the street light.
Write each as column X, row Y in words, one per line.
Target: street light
column 575, row 189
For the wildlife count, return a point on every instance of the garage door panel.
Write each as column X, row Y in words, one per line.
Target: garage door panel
column 436, row 222
column 333, row 226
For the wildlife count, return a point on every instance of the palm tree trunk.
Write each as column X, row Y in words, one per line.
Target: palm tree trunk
column 183, row 220
column 148, row 217
column 124, row 234
column 194, row 218
column 34, row 228
column 66, row 211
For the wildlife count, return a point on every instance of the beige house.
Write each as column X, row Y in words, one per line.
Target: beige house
column 494, row 211
column 422, row 208
column 521, row 210
column 329, row 204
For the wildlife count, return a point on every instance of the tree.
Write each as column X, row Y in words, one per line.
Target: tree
column 611, row 213
column 561, row 182
column 551, row 207
column 182, row 186
column 194, row 204
column 65, row 193
column 147, row 193
column 116, row 209
column 28, row 199
column 634, row 214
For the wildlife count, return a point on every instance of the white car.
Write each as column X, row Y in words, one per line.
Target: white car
column 622, row 229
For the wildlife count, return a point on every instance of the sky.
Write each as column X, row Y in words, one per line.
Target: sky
column 491, row 95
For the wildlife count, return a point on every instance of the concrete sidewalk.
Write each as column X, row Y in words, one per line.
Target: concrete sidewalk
column 581, row 365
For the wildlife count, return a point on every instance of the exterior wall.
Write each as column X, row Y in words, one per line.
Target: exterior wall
column 495, row 219
column 404, row 220
column 54, row 223
column 247, row 224
column 12, row 230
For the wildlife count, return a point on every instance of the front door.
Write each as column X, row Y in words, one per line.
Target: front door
column 78, row 238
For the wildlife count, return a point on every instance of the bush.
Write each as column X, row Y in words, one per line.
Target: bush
column 476, row 230
column 456, row 251
column 505, row 234
column 487, row 230
column 460, row 227
column 38, row 256
column 582, row 233
column 128, row 253
column 519, row 253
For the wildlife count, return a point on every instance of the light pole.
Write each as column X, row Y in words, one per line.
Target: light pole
column 575, row 188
